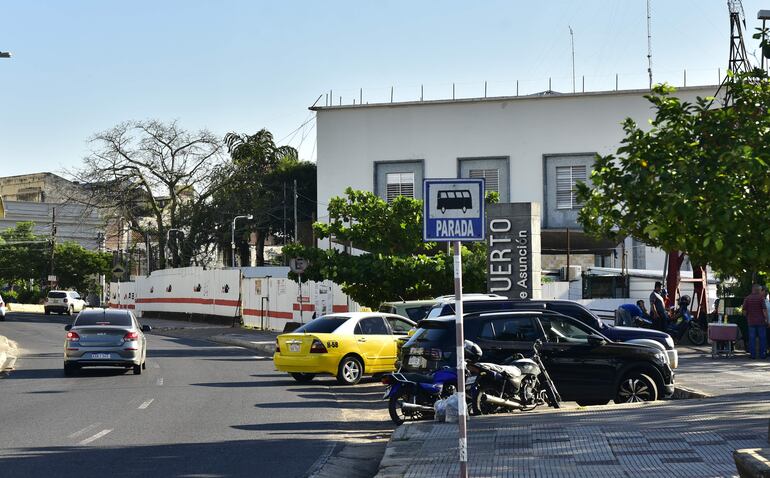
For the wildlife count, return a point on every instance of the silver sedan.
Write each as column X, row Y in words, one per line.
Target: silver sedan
column 105, row 338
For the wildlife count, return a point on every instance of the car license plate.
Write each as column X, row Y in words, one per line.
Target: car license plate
column 415, row 361
column 293, row 347
column 387, row 392
column 100, row 356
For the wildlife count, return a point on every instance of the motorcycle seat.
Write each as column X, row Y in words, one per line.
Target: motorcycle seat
column 418, row 377
column 510, row 370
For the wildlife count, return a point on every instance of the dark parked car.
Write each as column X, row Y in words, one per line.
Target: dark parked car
column 571, row 309
column 585, row 365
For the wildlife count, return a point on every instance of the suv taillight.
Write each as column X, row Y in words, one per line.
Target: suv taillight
column 131, row 336
column 73, row 336
column 277, row 346
column 317, row 347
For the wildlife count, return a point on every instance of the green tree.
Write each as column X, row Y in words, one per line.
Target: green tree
column 396, row 264
column 262, row 178
column 24, row 255
column 78, row 268
column 697, row 181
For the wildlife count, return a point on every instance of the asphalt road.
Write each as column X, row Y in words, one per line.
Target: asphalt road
column 198, row 410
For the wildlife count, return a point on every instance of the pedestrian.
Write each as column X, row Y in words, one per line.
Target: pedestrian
column 626, row 314
column 756, row 316
column 658, row 312
column 643, row 308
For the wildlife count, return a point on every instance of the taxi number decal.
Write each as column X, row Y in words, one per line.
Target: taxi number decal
column 332, row 344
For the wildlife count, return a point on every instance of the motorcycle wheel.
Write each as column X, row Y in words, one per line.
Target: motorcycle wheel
column 696, row 336
column 397, row 414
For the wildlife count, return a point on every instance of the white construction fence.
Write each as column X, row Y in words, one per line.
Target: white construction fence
column 262, row 302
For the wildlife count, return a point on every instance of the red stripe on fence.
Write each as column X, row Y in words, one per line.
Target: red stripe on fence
column 268, row 313
column 305, row 307
column 340, row 308
column 188, row 300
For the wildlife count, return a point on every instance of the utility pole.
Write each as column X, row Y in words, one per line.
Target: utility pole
column 649, row 42
column 284, row 213
column 53, row 240
column 296, row 225
column 572, row 41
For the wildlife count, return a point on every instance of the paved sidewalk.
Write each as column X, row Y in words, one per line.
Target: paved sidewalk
column 683, row 438
column 9, row 353
column 688, row 438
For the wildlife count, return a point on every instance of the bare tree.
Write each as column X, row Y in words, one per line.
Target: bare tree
column 145, row 171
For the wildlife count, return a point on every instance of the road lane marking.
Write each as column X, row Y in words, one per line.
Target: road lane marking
column 84, row 430
column 156, row 365
column 160, row 381
column 94, row 437
column 146, row 404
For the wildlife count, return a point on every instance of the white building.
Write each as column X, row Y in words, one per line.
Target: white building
column 528, row 148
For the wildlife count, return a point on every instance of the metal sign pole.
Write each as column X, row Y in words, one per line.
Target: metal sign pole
column 460, row 339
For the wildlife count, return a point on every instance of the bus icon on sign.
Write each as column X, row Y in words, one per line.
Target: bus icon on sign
column 454, row 199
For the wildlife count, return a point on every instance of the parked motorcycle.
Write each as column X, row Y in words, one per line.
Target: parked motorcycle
column 411, row 396
column 520, row 384
column 681, row 324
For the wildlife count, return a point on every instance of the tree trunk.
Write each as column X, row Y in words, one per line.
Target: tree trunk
column 260, row 246
column 675, row 260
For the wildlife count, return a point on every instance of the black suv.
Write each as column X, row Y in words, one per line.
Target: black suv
column 570, row 309
column 585, row 366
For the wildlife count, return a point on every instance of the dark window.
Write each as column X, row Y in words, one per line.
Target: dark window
column 435, row 332
column 57, row 295
column 519, row 329
column 96, row 318
column 565, row 329
column 371, row 326
column 418, row 313
column 322, row 325
column 399, row 326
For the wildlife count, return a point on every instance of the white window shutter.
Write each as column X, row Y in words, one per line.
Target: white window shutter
column 399, row 184
column 491, row 178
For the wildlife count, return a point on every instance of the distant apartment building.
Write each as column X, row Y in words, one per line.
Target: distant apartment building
column 37, row 187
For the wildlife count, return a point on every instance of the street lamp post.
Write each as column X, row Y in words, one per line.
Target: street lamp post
column 232, row 236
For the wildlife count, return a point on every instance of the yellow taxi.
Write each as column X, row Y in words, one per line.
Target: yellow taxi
column 346, row 345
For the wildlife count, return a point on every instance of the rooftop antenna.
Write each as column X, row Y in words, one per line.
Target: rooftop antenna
column 649, row 42
column 739, row 61
column 572, row 41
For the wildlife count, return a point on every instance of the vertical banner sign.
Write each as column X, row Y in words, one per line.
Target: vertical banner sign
column 513, row 260
column 454, row 212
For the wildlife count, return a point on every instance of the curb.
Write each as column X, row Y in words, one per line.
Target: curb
column 685, row 393
column 266, row 348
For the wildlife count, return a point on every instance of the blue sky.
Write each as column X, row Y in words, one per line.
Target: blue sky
column 82, row 66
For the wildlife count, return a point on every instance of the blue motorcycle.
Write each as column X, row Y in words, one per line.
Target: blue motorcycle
column 681, row 324
column 411, row 396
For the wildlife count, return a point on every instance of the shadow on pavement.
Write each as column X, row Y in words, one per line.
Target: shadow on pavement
column 274, row 457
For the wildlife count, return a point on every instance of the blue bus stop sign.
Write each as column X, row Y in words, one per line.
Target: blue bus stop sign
column 453, row 210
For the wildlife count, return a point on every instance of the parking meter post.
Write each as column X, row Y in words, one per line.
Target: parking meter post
column 460, row 339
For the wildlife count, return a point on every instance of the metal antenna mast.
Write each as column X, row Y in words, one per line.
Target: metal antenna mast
column 649, row 42
column 572, row 41
column 739, row 61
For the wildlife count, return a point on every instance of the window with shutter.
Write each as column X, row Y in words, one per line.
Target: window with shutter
column 491, row 178
column 399, row 184
column 566, row 179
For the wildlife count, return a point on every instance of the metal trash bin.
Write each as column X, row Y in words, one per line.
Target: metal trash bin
column 722, row 337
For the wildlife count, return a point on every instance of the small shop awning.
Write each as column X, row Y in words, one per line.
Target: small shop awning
column 554, row 241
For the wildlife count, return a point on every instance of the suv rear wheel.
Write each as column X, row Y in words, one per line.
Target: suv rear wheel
column 636, row 387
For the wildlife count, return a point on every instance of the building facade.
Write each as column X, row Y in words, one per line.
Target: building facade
column 527, row 148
